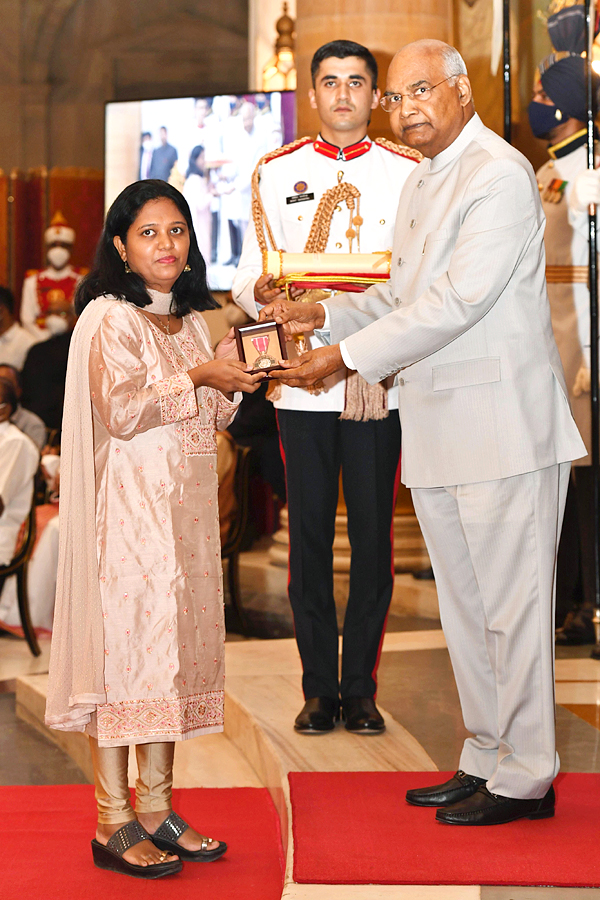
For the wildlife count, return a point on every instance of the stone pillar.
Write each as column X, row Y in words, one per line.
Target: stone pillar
column 35, row 105
column 381, row 25
column 262, row 16
column 410, row 553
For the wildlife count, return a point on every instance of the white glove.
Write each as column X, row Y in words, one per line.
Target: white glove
column 583, row 382
column 586, row 190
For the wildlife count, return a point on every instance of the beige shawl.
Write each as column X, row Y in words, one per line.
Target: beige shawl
column 76, row 678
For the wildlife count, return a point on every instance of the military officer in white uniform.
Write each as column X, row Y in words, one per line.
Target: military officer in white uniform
column 57, row 282
column 321, row 432
column 487, row 431
column 557, row 114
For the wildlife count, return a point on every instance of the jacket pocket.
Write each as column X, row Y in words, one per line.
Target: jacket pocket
column 433, row 236
column 465, row 373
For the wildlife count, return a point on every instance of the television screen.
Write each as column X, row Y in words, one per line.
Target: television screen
column 207, row 147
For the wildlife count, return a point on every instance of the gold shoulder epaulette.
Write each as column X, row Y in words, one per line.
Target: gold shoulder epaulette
column 30, row 272
column 283, row 151
column 399, row 149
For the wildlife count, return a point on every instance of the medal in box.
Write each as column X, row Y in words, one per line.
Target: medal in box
column 261, row 345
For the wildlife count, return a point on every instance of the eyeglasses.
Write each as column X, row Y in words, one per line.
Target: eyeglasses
column 419, row 95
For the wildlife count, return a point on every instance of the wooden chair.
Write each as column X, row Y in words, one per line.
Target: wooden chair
column 231, row 547
column 18, row 566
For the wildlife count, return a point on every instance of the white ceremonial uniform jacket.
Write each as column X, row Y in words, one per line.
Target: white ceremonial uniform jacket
column 466, row 319
column 379, row 175
column 566, row 242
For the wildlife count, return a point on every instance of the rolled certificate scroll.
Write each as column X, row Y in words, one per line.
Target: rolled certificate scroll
column 328, row 271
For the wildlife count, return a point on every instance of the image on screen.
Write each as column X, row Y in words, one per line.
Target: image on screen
column 207, row 147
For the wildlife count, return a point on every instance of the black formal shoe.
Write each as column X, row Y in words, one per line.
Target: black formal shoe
column 317, row 715
column 485, row 808
column 362, row 716
column 577, row 629
column 458, row 788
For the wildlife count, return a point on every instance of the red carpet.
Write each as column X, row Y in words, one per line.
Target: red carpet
column 45, row 834
column 356, row 828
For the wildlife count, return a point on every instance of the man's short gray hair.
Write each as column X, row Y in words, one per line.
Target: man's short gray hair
column 453, row 62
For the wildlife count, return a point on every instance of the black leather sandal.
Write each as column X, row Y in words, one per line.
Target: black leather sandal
column 110, row 856
column 166, row 835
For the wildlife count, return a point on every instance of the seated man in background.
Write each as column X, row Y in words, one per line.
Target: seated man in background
column 19, row 460
column 255, row 426
column 25, row 420
column 15, row 341
column 41, row 575
column 45, row 369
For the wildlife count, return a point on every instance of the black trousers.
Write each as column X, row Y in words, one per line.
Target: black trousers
column 569, row 587
column 584, row 481
column 575, row 582
column 315, row 446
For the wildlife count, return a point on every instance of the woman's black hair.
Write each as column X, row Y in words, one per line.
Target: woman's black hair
column 193, row 167
column 108, row 275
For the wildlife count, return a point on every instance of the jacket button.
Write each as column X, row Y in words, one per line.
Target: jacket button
column 401, row 382
column 420, row 183
column 413, row 223
column 396, row 301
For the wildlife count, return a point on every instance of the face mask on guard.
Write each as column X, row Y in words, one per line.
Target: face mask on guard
column 543, row 118
column 58, row 257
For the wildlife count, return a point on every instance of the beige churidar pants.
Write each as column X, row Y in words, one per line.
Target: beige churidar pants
column 153, row 788
column 493, row 550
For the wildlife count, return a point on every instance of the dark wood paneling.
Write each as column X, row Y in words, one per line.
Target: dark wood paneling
column 79, row 195
column 27, row 223
column 4, row 231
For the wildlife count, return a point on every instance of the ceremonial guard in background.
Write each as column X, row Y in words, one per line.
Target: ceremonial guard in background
column 56, row 282
column 347, row 423
column 558, row 114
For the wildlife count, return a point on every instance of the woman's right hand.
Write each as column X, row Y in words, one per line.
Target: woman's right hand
column 227, row 376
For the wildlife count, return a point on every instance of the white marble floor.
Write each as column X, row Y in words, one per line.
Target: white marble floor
column 259, row 746
column 16, row 660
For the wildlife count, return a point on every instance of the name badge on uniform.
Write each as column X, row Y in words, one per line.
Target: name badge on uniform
column 300, row 193
column 299, row 198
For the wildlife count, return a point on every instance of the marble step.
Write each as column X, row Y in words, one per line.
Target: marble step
column 259, row 745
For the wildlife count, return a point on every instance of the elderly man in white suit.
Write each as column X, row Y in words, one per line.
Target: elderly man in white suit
column 487, row 430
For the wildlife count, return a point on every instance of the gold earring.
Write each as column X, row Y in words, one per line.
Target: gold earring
column 127, row 269
column 187, row 268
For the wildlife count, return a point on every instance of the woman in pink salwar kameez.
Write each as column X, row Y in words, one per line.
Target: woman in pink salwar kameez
column 137, row 652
